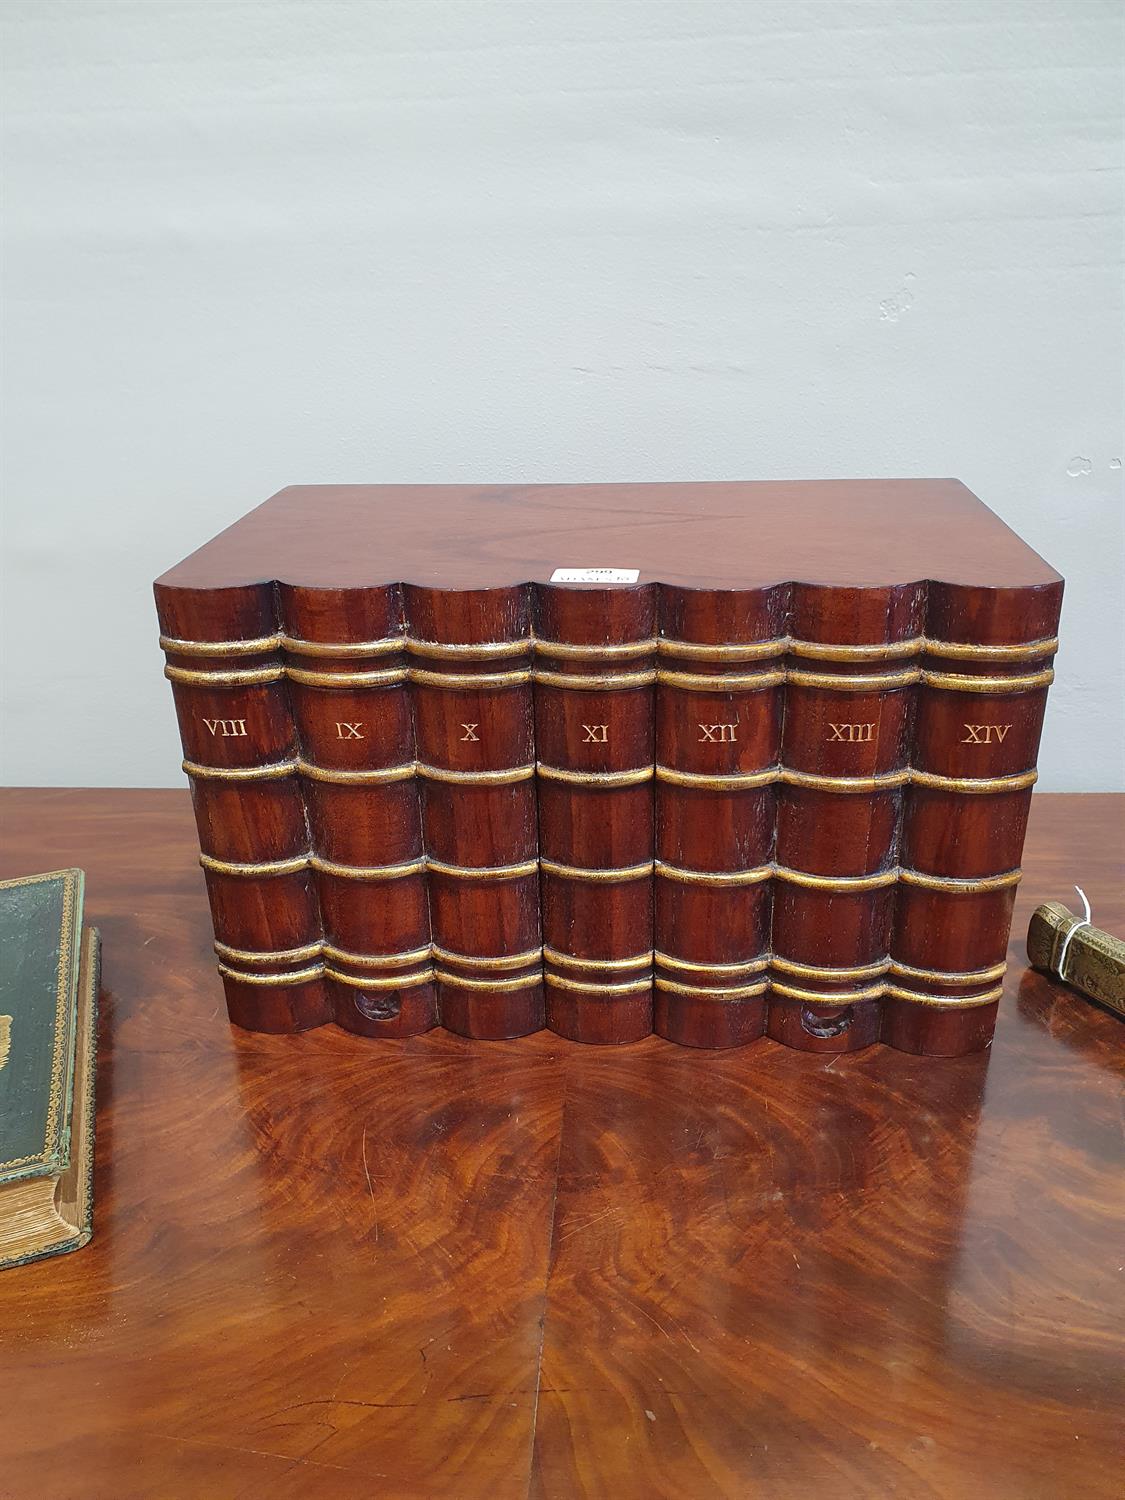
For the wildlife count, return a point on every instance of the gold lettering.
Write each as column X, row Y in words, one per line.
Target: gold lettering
column 227, row 728
column 596, row 734
column 350, row 731
column 985, row 734
column 5, row 1038
column 470, row 735
column 854, row 734
column 718, row 733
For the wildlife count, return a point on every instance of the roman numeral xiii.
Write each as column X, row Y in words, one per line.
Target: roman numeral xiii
column 854, row 734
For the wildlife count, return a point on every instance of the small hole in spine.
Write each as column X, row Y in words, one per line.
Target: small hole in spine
column 379, row 1007
column 822, row 1022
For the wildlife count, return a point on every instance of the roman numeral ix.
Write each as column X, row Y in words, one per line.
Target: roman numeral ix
column 350, row 731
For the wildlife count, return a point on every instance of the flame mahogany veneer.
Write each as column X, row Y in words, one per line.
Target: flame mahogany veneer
column 434, row 1270
column 778, row 785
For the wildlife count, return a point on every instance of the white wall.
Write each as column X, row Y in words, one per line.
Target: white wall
column 249, row 244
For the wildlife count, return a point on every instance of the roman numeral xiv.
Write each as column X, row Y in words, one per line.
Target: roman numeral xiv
column 985, row 734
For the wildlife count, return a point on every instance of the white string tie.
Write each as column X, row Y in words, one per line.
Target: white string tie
column 1085, row 922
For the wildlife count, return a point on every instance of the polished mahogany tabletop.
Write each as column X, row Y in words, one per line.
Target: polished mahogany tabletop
column 324, row 1266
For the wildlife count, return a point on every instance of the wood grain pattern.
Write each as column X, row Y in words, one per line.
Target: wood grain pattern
column 437, row 1268
column 557, row 907
column 726, row 535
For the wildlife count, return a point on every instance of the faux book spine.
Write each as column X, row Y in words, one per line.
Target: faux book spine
column 346, row 665
column 985, row 671
column 225, row 664
column 845, row 753
column 595, row 668
column 470, row 658
column 718, row 734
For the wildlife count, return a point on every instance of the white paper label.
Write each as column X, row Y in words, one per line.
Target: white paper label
column 595, row 575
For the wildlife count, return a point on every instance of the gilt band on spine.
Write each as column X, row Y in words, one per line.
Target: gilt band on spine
column 596, row 664
column 358, row 773
column 846, row 754
column 976, row 738
column 240, row 753
column 473, row 716
column 718, row 745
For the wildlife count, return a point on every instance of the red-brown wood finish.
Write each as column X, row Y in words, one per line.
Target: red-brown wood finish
column 438, row 1270
column 854, row 739
column 352, row 713
column 854, row 533
column 473, row 715
column 594, row 718
column 715, row 824
column 234, row 715
column 974, row 832
column 805, row 629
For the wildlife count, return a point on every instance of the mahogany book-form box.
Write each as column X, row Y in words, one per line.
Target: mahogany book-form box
column 712, row 760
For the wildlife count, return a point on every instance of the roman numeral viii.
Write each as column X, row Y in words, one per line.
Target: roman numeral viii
column 227, row 728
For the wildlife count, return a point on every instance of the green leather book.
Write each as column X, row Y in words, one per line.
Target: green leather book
column 48, row 1037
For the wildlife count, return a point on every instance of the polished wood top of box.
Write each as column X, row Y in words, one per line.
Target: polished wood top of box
column 853, row 532
column 326, row 1267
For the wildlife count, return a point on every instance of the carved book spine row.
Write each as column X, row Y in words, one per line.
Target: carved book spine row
column 793, row 810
